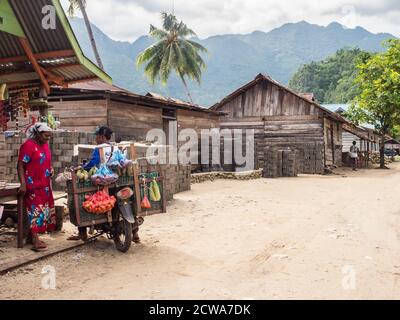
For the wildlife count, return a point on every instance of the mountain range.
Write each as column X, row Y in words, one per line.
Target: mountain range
column 233, row 59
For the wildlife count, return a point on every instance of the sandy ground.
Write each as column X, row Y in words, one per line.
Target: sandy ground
column 313, row 237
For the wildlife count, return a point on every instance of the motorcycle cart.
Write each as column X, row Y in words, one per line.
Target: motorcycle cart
column 127, row 213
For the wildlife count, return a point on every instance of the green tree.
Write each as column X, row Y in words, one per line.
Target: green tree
column 331, row 80
column 173, row 51
column 81, row 5
column 378, row 100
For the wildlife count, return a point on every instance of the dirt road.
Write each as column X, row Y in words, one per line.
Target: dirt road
column 331, row 237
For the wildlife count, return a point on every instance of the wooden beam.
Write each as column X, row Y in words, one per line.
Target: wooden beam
column 39, row 56
column 83, row 80
column 22, row 83
column 28, row 50
column 59, row 80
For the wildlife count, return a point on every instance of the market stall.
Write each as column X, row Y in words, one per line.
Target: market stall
column 113, row 198
column 34, row 58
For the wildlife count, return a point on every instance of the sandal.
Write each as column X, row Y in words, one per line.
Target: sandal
column 74, row 238
column 78, row 237
column 135, row 238
column 39, row 247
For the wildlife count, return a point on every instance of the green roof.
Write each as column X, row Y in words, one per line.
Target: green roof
column 57, row 51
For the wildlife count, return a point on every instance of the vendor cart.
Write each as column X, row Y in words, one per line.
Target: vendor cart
column 127, row 213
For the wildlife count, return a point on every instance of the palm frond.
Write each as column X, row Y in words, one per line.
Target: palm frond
column 173, row 52
column 169, row 21
column 157, row 33
column 150, row 52
column 74, row 5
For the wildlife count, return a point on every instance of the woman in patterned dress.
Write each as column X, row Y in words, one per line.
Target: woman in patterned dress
column 35, row 172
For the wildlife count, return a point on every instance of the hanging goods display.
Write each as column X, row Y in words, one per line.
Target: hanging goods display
column 145, row 204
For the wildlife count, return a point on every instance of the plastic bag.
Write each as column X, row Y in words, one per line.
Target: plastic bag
column 155, row 194
column 62, row 178
column 104, row 176
column 145, row 203
column 118, row 159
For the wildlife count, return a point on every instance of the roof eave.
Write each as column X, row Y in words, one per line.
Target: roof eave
column 101, row 74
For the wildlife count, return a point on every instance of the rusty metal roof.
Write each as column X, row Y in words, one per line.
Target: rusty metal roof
column 56, row 50
column 79, row 90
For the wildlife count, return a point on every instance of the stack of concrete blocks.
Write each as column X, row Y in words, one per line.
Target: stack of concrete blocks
column 61, row 146
column 280, row 163
column 3, row 158
column 10, row 157
column 177, row 177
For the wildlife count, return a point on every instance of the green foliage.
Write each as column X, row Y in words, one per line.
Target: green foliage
column 378, row 98
column 331, row 80
column 74, row 5
column 173, row 51
column 378, row 83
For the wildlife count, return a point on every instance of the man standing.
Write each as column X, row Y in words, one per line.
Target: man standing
column 354, row 155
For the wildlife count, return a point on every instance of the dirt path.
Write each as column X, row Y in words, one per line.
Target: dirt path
column 334, row 237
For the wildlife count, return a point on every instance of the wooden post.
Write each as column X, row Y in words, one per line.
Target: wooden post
column 133, row 157
column 21, row 211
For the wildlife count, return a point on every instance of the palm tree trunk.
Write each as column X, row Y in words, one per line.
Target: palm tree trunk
column 186, row 88
column 91, row 35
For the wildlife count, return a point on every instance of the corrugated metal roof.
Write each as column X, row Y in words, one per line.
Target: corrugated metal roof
column 9, row 46
column 30, row 16
column 56, row 50
column 97, row 86
column 160, row 97
column 117, row 92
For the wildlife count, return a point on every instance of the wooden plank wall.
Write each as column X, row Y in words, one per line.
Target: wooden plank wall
column 132, row 122
column 348, row 139
column 197, row 121
column 286, row 121
column 256, row 124
column 82, row 116
column 268, row 99
column 337, row 146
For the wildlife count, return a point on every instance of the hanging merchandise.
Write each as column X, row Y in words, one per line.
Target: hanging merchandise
column 145, row 204
column 155, row 194
column 3, row 119
column 104, row 176
column 3, row 89
column 24, row 96
column 3, row 108
column 6, row 114
column 119, row 162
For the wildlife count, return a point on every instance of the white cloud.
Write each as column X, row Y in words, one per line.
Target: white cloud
column 129, row 19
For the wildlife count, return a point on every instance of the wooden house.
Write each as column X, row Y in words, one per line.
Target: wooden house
column 85, row 106
column 283, row 118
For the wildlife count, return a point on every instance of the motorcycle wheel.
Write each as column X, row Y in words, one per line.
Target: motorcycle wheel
column 123, row 235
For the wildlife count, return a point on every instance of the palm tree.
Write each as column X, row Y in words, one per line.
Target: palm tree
column 173, row 51
column 81, row 5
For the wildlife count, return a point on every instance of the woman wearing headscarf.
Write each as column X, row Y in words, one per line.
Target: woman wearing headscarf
column 35, row 172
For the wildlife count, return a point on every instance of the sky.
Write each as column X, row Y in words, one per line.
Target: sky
column 126, row 20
